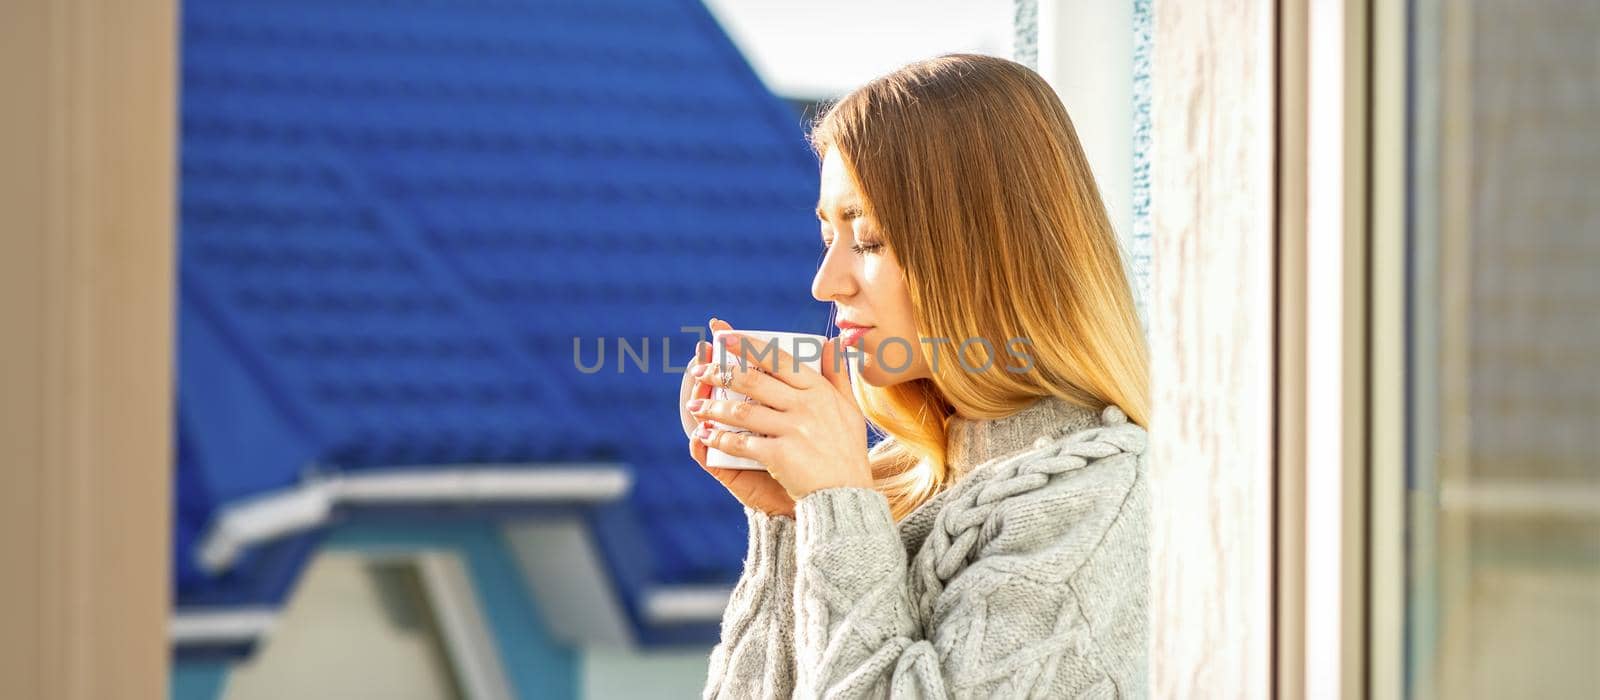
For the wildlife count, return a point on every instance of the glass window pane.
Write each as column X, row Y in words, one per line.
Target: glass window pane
column 1504, row 349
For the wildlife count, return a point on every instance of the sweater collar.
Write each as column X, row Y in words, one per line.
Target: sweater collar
column 971, row 442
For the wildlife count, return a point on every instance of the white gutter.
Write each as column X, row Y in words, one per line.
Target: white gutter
column 242, row 525
column 669, row 605
column 222, row 627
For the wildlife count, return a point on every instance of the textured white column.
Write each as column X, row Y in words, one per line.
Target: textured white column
column 1085, row 51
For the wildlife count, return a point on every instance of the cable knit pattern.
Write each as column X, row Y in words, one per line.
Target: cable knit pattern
column 756, row 656
column 1026, row 578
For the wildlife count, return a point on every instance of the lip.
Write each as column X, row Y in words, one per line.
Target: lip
column 850, row 336
column 847, row 324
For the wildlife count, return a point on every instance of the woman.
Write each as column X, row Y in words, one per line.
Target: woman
column 994, row 542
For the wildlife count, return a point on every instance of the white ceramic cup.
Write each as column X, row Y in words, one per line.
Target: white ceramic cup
column 806, row 348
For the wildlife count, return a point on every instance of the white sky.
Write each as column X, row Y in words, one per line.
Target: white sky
column 823, row 48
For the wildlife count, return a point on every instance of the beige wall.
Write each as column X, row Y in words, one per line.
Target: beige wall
column 619, row 674
column 86, row 250
column 352, row 630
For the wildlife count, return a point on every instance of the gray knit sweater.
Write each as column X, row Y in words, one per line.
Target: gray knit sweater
column 1027, row 577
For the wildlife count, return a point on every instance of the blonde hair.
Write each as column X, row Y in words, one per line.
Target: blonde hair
column 973, row 172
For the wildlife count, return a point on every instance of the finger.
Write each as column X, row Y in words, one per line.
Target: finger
column 835, row 365
column 699, row 353
column 715, row 324
column 696, row 361
column 738, row 444
column 771, row 359
column 702, row 356
column 697, row 450
column 752, row 383
column 741, row 414
column 744, row 484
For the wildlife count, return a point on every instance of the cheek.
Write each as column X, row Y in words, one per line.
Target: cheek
column 890, row 299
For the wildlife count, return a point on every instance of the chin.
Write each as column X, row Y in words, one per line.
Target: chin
column 876, row 375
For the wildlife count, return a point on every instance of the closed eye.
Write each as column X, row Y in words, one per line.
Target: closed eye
column 857, row 248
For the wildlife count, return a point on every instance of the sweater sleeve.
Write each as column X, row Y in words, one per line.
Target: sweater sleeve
column 1009, row 625
column 755, row 657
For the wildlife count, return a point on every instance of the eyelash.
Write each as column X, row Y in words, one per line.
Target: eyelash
column 858, row 248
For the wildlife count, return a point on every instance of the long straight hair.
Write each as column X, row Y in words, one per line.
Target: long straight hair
column 974, row 174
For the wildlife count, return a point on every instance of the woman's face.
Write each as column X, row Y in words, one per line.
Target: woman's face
column 860, row 276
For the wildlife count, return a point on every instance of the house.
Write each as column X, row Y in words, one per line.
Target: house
column 406, row 232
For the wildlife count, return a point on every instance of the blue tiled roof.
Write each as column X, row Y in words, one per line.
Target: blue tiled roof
column 396, row 216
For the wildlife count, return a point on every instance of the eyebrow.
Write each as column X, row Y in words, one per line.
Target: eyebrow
column 848, row 211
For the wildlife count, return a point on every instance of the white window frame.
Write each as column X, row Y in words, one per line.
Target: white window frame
column 1274, row 264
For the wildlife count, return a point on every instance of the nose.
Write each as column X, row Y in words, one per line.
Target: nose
column 835, row 279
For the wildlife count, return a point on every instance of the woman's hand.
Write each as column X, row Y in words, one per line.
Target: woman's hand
column 753, row 488
column 816, row 437
column 689, row 388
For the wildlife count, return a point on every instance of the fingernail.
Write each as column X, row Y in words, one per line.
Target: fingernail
column 704, row 431
column 701, row 370
column 696, row 404
column 731, row 340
